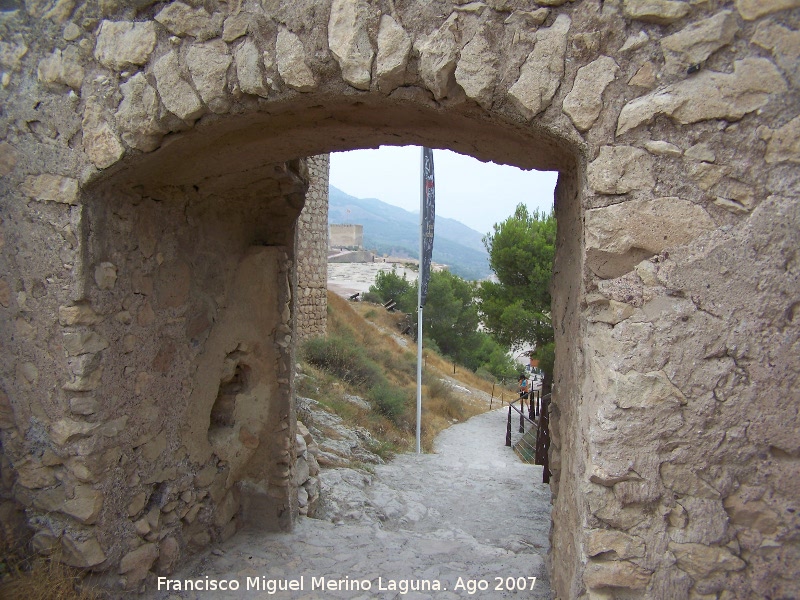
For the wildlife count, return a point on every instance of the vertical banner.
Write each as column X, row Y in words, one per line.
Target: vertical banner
column 426, row 214
column 427, row 209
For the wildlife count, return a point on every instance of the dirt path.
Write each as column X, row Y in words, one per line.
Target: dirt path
column 471, row 516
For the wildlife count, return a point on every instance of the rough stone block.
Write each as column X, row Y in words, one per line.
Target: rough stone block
column 125, row 44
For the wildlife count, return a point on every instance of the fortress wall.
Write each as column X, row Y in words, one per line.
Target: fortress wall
column 152, row 173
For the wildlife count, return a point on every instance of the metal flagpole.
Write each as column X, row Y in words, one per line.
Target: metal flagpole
column 427, row 211
column 419, row 296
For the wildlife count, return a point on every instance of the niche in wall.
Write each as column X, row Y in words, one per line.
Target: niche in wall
column 235, row 380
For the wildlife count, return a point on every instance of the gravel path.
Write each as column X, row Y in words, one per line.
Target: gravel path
column 470, row 521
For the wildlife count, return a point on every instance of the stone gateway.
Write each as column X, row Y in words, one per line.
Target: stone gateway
column 153, row 173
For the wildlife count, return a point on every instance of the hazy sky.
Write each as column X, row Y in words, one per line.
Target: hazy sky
column 477, row 194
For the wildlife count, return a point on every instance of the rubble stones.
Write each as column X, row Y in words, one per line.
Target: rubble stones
column 291, row 59
column 617, row 574
column 476, row 71
column 82, row 553
column 438, row 56
column 585, row 101
column 696, row 42
column 613, row 544
column 176, row 93
column 753, row 9
column 182, row 19
column 783, row 144
column 623, row 231
column 100, row 141
column 349, row 41
column 248, row 69
column 208, row 64
column 645, row 77
column 125, row 44
column 52, row 188
column 621, row 169
column 63, row 68
column 541, row 74
column 700, row 561
column 662, row 148
column 105, row 275
column 784, row 43
column 138, row 114
column 708, row 95
column 137, row 562
column 661, row 12
column 394, row 46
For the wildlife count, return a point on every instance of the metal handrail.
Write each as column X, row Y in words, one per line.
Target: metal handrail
column 537, row 407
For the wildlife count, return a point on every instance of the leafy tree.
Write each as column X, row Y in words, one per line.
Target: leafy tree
column 389, row 286
column 451, row 314
column 516, row 307
column 451, row 320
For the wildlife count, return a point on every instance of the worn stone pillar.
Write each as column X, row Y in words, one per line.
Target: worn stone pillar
column 312, row 252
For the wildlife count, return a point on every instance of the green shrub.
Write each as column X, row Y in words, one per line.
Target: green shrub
column 341, row 356
column 370, row 314
column 373, row 297
column 389, row 401
column 439, row 388
column 389, row 286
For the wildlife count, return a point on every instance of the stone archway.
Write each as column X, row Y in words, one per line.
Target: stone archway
column 152, row 175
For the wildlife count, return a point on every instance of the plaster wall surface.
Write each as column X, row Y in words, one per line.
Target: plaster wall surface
column 152, row 176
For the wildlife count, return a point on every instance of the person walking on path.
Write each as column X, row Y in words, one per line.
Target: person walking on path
column 524, row 390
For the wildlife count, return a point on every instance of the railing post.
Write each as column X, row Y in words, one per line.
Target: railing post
column 508, row 428
column 522, row 417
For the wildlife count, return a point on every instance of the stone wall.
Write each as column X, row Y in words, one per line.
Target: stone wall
column 312, row 253
column 151, row 168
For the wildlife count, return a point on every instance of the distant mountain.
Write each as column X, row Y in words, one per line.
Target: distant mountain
column 395, row 231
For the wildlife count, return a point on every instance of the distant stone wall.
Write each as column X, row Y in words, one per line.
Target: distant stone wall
column 347, row 236
column 312, row 252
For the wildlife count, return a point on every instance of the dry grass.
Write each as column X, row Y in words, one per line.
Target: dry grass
column 374, row 329
column 44, row 578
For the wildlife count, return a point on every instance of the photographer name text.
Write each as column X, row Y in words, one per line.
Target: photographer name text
column 345, row 584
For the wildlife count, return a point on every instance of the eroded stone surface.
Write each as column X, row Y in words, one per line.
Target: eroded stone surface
column 585, row 101
column 177, row 95
column 541, row 74
column 620, row 236
column 292, row 65
column 125, row 44
column 696, row 42
column 476, row 71
column 709, row 95
column 661, row 12
column 394, row 45
column 438, row 54
column 621, row 169
column 208, row 63
column 349, row 41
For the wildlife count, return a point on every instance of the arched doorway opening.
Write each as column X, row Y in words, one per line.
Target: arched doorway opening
column 206, row 273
